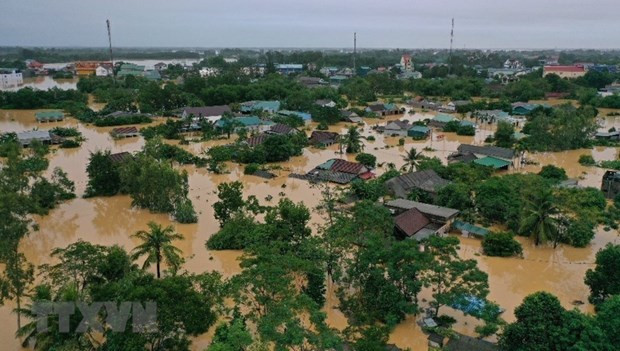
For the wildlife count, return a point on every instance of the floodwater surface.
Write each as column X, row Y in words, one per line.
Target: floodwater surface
column 112, row 220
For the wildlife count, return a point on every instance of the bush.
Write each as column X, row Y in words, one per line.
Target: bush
column 586, row 160
column 615, row 164
column 554, row 173
column 367, row 160
column 501, row 244
column 66, row 132
column 401, row 141
column 236, row 234
column 184, row 212
column 69, row 144
column 122, row 120
column 251, row 168
column 322, row 126
column 466, row 130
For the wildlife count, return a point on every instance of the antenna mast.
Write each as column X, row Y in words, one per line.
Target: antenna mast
column 354, row 51
column 110, row 42
column 451, row 42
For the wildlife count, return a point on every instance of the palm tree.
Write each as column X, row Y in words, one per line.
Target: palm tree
column 157, row 247
column 412, row 159
column 353, row 140
column 540, row 217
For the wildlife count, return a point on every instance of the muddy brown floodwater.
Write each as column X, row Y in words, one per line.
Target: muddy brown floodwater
column 111, row 220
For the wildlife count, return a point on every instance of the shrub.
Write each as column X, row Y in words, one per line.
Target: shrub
column 251, row 168
column 184, row 212
column 554, row 173
column 586, row 160
column 466, row 130
column 65, row 131
column 501, row 244
column 69, row 144
column 401, row 141
column 322, row 126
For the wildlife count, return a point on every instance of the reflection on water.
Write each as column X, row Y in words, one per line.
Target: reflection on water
column 46, row 82
column 111, row 220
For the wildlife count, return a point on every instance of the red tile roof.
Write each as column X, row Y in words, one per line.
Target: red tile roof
column 367, row 175
column 347, row 167
column 565, row 69
column 411, row 221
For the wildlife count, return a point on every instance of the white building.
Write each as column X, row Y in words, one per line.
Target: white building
column 208, row 72
column 10, row 77
column 102, row 71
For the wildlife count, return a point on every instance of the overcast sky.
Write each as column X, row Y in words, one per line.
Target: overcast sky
column 316, row 23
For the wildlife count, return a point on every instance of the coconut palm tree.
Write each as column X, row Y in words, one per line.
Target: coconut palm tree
column 540, row 217
column 157, row 247
column 412, row 159
column 353, row 140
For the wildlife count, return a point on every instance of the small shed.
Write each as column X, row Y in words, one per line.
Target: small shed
column 494, row 162
column 27, row 137
column 49, row 116
column 468, row 229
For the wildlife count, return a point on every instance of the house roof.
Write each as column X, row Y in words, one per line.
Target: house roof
column 420, row 129
column 206, row 111
column 345, row 166
column 323, row 102
column 260, row 105
column 256, row 140
column 411, row 221
column 398, row 125
column 48, row 114
column 427, row 209
column 125, row 130
column 468, row 227
column 427, row 180
column 564, row 69
column 495, row 151
column 467, row 343
column 280, row 128
column 491, row 161
column 34, row 134
column 303, row 115
column 443, row 118
column 119, row 157
column 376, row 107
column 248, row 121
column 319, row 136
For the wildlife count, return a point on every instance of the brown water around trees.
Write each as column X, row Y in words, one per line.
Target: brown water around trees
column 111, row 220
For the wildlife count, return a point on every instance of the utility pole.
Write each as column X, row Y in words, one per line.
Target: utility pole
column 451, row 42
column 110, row 42
column 354, row 52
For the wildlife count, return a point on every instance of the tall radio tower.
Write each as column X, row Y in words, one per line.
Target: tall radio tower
column 451, row 42
column 110, row 42
column 354, row 51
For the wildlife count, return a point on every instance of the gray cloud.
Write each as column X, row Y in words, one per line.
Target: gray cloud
column 317, row 23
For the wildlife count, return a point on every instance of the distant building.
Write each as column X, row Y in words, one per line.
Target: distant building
column 323, row 138
column 252, row 123
column 103, row 71
column 492, row 156
column 569, row 72
column 160, row 66
column 124, row 132
column 418, row 221
column 325, row 103
column 208, row 72
column 426, row 180
column 419, row 132
column 339, row 171
column 27, row 137
column 396, row 128
column 306, row 117
column 10, row 77
column 267, row 106
column 49, row 116
column 88, row 68
column 231, row 60
column 289, row 68
column 381, row 109
column 130, row 69
column 406, row 63
column 513, row 64
column 312, row 82
column 209, row 113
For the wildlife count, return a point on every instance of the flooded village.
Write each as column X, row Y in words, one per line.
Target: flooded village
column 352, row 147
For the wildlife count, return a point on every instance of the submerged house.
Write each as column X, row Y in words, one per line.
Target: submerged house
column 266, row 106
column 350, row 116
column 397, row 128
column 306, row 117
column 323, row 138
column 493, row 156
column 340, row 171
column 419, row 132
column 384, row 109
column 252, row 123
column 417, row 220
column 442, row 119
column 281, row 129
column 27, row 137
column 427, row 180
column 124, row 132
column 210, row 113
column 49, row 116
column 611, row 184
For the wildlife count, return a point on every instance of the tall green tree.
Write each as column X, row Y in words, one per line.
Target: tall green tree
column 158, row 248
column 504, row 135
column 353, row 140
column 604, row 279
column 15, row 281
column 412, row 160
column 539, row 218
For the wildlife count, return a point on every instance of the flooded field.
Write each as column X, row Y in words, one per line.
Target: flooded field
column 109, row 221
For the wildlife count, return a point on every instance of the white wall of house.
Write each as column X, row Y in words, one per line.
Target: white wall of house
column 11, row 79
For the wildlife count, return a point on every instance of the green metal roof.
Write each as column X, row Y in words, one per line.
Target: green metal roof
column 472, row 229
column 419, row 129
column 443, row 118
column 245, row 121
column 490, row 161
